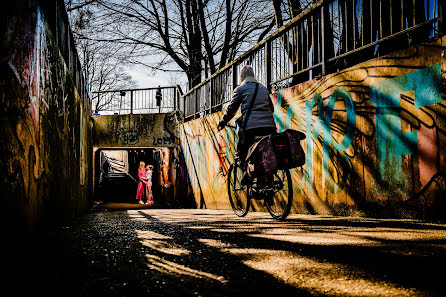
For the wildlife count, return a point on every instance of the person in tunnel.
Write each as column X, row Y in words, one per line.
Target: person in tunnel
column 105, row 169
column 142, row 183
column 257, row 111
column 148, row 180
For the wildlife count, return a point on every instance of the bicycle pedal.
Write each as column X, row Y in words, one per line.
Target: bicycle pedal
column 255, row 194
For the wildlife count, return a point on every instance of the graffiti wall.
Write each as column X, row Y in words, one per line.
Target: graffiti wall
column 208, row 155
column 375, row 139
column 135, row 130
column 45, row 147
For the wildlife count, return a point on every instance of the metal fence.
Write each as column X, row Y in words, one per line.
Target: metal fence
column 329, row 36
column 136, row 101
column 57, row 19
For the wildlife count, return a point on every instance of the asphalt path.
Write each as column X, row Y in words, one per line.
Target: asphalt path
column 189, row 252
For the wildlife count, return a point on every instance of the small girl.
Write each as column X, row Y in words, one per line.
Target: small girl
column 148, row 179
column 141, row 183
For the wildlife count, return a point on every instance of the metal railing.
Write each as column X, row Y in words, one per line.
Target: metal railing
column 137, row 101
column 329, row 36
column 57, row 19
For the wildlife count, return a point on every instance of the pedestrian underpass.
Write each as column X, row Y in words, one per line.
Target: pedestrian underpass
column 116, row 174
column 369, row 98
column 121, row 141
column 371, row 108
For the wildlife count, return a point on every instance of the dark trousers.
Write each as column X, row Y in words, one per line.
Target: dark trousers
column 251, row 134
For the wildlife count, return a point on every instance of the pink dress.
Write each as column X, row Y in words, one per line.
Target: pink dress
column 141, row 185
column 149, row 187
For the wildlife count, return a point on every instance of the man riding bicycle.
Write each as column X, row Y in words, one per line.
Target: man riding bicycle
column 260, row 121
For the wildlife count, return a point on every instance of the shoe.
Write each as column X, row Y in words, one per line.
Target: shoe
column 140, row 202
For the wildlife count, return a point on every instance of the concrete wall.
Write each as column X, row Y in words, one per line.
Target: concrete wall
column 134, row 130
column 45, row 148
column 158, row 131
column 376, row 139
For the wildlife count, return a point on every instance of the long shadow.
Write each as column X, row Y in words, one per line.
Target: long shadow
column 239, row 279
column 407, row 263
column 104, row 254
column 368, row 223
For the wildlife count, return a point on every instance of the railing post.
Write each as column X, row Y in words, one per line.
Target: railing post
column 268, row 58
column 174, row 100
column 197, row 103
column 178, row 97
column 441, row 17
column 211, row 94
column 185, row 105
column 323, row 38
column 131, row 102
column 234, row 76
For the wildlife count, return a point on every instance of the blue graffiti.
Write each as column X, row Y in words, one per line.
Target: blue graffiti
column 391, row 142
column 278, row 113
column 322, row 126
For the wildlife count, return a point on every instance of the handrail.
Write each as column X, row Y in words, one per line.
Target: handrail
column 141, row 100
column 274, row 35
column 313, row 43
column 57, row 18
column 138, row 89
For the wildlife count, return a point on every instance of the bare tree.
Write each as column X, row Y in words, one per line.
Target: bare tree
column 103, row 62
column 241, row 25
column 195, row 37
column 284, row 11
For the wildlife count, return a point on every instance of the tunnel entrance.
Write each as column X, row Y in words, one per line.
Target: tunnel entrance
column 116, row 173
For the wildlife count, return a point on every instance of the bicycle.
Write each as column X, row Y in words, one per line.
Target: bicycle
column 276, row 190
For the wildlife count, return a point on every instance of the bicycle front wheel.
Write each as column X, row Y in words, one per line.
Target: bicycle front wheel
column 280, row 200
column 238, row 194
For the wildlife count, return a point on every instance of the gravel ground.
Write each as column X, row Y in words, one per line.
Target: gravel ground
column 165, row 252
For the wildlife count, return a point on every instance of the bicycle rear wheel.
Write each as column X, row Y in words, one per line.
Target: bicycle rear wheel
column 280, row 200
column 238, row 194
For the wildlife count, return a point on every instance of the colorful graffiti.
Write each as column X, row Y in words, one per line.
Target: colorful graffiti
column 208, row 155
column 136, row 130
column 375, row 137
column 43, row 122
column 27, row 59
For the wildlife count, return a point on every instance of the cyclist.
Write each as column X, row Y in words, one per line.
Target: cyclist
column 261, row 121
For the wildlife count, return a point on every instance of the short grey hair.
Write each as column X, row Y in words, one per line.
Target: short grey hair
column 246, row 71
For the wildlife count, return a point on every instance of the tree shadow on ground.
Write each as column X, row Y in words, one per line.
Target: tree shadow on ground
column 407, row 263
column 187, row 253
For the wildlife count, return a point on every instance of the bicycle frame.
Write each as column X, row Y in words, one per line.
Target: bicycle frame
column 237, row 163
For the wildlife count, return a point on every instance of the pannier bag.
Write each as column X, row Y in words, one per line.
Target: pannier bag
column 274, row 152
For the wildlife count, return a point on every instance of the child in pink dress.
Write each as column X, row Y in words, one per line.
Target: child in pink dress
column 148, row 179
column 141, row 183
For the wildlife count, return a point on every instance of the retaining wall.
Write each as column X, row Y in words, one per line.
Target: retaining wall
column 135, row 130
column 45, row 148
column 376, row 139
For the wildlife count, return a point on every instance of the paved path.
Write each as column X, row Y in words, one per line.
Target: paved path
column 163, row 252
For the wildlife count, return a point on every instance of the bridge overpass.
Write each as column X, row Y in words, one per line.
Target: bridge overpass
column 149, row 137
column 368, row 96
